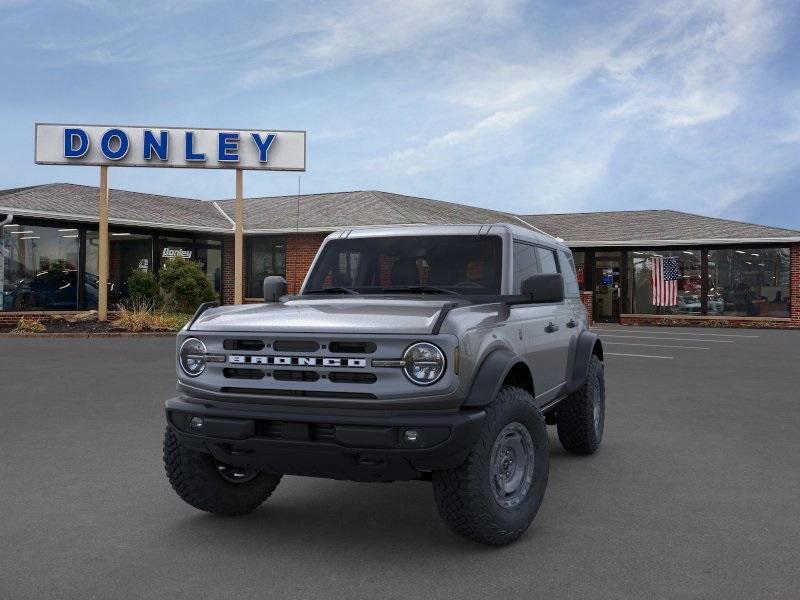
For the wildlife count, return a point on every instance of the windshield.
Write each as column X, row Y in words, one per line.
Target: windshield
column 443, row 264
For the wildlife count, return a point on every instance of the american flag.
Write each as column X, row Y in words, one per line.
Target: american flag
column 664, row 277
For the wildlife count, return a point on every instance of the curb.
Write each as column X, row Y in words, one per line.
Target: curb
column 120, row 334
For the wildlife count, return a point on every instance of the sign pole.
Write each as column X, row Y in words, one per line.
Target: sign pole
column 102, row 257
column 238, row 255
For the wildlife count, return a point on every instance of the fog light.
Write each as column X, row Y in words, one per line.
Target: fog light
column 411, row 436
column 196, row 423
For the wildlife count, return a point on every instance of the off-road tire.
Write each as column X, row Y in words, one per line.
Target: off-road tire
column 464, row 495
column 575, row 419
column 194, row 477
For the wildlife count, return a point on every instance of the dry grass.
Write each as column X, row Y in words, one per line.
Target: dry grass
column 26, row 325
column 142, row 317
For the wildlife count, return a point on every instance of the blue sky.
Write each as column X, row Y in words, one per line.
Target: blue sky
column 521, row 106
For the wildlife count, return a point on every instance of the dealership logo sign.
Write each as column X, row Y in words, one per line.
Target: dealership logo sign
column 297, row 361
column 170, row 147
column 176, row 253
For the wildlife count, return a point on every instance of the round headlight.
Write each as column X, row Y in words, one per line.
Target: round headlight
column 424, row 363
column 193, row 357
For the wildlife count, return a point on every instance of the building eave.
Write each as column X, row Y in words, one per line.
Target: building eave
column 113, row 221
column 683, row 242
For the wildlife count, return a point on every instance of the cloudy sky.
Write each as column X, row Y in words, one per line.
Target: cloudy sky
column 529, row 107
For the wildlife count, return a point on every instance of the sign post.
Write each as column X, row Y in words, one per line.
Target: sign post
column 103, row 253
column 176, row 147
column 238, row 241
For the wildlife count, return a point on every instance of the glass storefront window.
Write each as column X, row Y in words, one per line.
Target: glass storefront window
column 747, row 282
column 209, row 255
column 665, row 282
column 39, row 268
column 265, row 256
column 128, row 252
column 176, row 247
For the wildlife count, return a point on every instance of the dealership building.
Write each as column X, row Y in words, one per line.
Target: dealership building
column 726, row 272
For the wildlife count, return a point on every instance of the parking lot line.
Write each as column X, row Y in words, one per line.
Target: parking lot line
column 736, row 335
column 651, row 337
column 637, row 355
column 656, row 345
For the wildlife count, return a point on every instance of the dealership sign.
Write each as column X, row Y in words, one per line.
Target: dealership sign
column 193, row 148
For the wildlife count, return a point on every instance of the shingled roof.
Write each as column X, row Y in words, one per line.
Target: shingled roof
column 357, row 209
column 79, row 203
column 327, row 212
column 644, row 226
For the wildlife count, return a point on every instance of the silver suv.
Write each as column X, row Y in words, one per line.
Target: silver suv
column 411, row 353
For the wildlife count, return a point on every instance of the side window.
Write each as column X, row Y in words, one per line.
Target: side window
column 525, row 264
column 547, row 258
column 570, row 276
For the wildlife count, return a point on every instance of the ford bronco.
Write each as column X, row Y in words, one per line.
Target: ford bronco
column 432, row 353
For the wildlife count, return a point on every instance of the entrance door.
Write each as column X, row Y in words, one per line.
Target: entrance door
column 607, row 286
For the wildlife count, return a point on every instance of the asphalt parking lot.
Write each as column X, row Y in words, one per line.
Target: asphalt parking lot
column 694, row 493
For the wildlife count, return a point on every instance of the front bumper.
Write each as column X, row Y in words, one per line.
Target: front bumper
column 355, row 445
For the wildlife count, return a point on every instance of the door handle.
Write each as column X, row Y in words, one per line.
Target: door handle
column 551, row 327
column 572, row 323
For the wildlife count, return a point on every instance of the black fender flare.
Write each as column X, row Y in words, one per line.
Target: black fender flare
column 584, row 348
column 490, row 376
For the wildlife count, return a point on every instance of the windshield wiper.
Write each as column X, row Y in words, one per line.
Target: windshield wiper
column 332, row 290
column 418, row 289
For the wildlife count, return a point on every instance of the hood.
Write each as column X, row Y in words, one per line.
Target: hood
column 326, row 315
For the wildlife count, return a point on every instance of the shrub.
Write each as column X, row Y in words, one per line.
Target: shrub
column 143, row 289
column 26, row 325
column 143, row 317
column 184, row 286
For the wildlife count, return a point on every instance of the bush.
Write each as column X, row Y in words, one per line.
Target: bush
column 26, row 325
column 184, row 286
column 143, row 289
column 143, row 317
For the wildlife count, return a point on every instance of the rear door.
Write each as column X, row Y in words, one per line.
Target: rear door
column 539, row 342
column 560, row 320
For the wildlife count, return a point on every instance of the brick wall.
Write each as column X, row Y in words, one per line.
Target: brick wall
column 228, row 270
column 301, row 248
column 586, row 298
column 794, row 284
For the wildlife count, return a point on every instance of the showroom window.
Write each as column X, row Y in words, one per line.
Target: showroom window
column 265, row 256
column 209, row 255
column 748, row 282
column 39, row 267
column 128, row 252
column 665, row 282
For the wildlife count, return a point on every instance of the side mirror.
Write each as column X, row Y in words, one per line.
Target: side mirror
column 544, row 287
column 274, row 288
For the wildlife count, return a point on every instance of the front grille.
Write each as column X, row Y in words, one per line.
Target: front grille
column 297, row 393
column 353, row 347
column 352, row 377
column 247, row 345
column 284, row 375
column 295, row 346
column 231, row 373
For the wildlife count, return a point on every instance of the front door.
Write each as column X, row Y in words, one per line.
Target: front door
column 607, row 286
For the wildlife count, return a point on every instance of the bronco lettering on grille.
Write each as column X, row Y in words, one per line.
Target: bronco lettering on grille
column 298, row 361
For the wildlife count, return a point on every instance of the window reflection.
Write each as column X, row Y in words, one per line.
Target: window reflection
column 665, row 281
column 128, row 252
column 39, row 268
column 265, row 256
column 747, row 282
